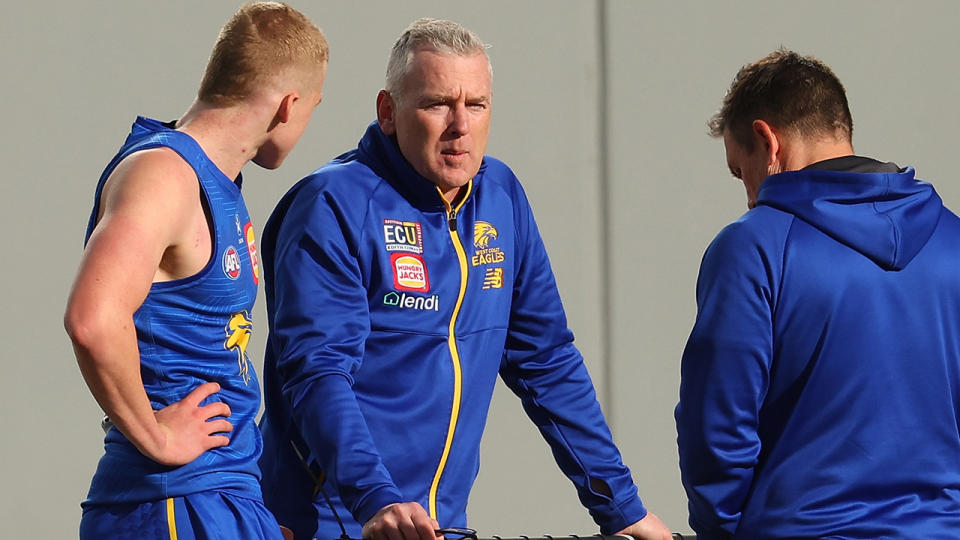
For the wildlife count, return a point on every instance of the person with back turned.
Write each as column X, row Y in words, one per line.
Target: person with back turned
column 820, row 386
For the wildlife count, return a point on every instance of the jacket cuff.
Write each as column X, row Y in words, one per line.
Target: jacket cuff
column 614, row 517
column 374, row 501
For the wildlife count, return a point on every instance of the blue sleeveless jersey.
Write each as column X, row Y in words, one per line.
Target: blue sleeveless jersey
column 191, row 331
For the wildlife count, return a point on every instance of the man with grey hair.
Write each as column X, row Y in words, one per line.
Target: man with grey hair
column 401, row 279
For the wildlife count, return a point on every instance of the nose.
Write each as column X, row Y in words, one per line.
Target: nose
column 459, row 123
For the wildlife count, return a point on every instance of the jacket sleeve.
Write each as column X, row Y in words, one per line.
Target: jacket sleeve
column 545, row 370
column 724, row 379
column 320, row 323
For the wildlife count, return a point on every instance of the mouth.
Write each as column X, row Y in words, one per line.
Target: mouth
column 454, row 157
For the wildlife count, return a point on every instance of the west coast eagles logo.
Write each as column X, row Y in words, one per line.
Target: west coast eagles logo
column 238, row 331
column 483, row 233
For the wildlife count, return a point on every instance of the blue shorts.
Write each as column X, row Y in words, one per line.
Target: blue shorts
column 209, row 515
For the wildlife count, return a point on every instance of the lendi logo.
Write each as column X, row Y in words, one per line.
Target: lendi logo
column 409, row 301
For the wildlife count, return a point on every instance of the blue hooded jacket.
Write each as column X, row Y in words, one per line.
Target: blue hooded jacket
column 391, row 314
column 820, row 392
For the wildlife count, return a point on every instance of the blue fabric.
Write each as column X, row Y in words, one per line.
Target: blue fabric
column 210, row 515
column 362, row 281
column 191, row 331
column 820, row 392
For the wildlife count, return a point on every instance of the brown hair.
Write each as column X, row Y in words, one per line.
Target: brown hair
column 788, row 91
column 259, row 43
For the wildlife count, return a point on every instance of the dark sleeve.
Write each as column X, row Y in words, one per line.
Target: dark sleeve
column 724, row 377
column 320, row 324
column 542, row 366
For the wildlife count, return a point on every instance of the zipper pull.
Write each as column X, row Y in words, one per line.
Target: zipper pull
column 452, row 220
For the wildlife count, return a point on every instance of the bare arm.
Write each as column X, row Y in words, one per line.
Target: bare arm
column 147, row 231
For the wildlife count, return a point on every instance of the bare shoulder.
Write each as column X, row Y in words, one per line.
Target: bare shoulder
column 154, row 177
column 151, row 207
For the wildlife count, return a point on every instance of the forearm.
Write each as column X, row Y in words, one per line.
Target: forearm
column 330, row 420
column 110, row 364
column 716, row 438
column 559, row 397
column 723, row 384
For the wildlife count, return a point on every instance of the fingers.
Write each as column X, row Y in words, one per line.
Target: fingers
column 189, row 429
column 419, row 526
column 211, row 410
column 217, row 408
column 401, row 521
column 648, row 528
column 200, row 393
column 219, row 426
column 216, row 441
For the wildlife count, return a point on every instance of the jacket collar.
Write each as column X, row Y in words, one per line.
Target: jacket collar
column 380, row 152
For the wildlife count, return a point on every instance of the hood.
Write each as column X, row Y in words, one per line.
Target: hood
column 886, row 216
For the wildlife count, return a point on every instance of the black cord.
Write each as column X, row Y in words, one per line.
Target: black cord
column 318, row 488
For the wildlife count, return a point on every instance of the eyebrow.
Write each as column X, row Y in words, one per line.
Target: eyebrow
column 444, row 98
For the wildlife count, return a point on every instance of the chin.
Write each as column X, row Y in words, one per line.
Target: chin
column 268, row 164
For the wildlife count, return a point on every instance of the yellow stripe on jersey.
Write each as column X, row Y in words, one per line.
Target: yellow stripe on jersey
column 171, row 520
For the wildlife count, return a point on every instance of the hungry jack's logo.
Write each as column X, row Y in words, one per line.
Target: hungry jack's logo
column 252, row 251
column 409, row 272
column 238, row 331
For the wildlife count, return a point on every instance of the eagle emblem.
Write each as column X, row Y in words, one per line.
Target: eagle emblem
column 483, row 232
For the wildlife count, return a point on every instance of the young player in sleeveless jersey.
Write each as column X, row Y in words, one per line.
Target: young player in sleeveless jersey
column 160, row 312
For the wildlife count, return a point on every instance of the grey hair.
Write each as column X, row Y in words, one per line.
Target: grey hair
column 439, row 35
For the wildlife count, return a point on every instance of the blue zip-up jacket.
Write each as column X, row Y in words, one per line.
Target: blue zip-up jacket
column 391, row 314
column 820, row 393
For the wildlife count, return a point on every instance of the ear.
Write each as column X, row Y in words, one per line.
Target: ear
column 285, row 109
column 386, row 108
column 768, row 140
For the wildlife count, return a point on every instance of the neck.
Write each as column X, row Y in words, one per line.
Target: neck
column 450, row 194
column 227, row 135
column 807, row 152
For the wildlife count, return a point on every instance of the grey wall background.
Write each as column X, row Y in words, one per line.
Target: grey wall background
column 600, row 108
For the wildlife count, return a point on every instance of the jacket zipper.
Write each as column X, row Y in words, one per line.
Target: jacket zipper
column 452, row 343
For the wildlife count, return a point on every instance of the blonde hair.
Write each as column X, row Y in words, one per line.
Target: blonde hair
column 261, row 42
